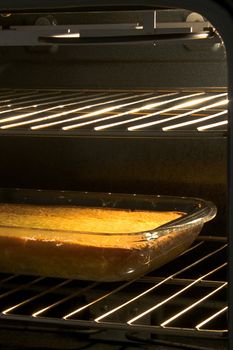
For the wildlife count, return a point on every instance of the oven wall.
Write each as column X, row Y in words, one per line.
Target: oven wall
column 190, row 166
column 190, row 64
column 184, row 167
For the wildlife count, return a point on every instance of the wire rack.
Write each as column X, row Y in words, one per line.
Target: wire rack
column 163, row 112
column 186, row 297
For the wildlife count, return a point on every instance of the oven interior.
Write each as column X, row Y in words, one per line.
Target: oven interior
column 139, row 105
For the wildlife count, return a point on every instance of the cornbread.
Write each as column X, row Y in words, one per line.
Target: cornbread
column 68, row 222
column 79, row 242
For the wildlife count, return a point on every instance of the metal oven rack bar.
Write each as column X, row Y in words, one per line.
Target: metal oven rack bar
column 164, row 112
column 165, row 301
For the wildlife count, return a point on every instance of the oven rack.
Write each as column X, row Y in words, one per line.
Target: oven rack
column 164, row 302
column 114, row 113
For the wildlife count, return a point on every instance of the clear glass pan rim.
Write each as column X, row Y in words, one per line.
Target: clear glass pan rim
column 200, row 212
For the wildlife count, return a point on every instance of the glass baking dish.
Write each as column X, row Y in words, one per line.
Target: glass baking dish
column 26, row 249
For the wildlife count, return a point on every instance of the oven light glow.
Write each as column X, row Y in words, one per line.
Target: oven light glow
column 154, row 105
column 16, row 96
column 97, row 300
column 194, row 304
column 39, row 312
column 31, row 121
column 216, row 314
column 118, row 115
column 202, row 35
column 45, row 125
column 131, row 300
column 67, row 35
column 197, row 101
column 25, row 115
column 145, row 125
column 72, row 97
column 156, row 306
column 150, row 236
column 103, row 111
column 134, row 110
column 214, row 125
column 25, row 301
column 127, row 121
column 198, row 120
column 88, row 114
column 45, row 98
column 157, row 113
column 157, row 284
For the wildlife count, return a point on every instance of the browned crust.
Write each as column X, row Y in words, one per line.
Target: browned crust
column 46, row 251
column 84, row 226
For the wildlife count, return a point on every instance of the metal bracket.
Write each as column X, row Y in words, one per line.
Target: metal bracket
column 148, row 30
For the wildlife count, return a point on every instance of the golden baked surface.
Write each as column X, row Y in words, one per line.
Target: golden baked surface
column 85, row 220
column 85, row 243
